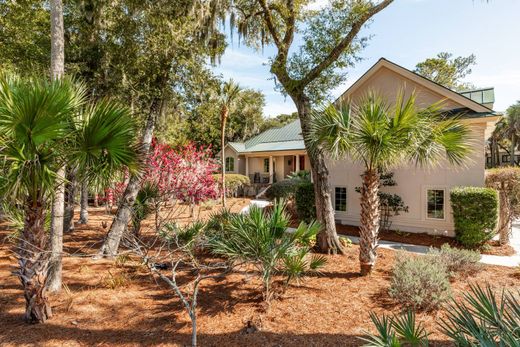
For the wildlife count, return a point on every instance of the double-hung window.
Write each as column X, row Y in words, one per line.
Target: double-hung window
column 340, row 199
column 435, row 203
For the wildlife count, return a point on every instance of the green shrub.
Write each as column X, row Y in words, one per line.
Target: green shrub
column 475, row 214
column 305, row 204
column 284, row 189
column 261, row 239
column 419, row 283
column 234, row 182
column 462, row 261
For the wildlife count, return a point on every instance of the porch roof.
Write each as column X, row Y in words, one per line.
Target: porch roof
column 285, row 138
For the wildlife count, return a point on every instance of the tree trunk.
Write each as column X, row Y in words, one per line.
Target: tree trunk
column 83, row 213
column 369, row 223
column 124, row 211
column 34, row 264
column 58, row 206
column 513, row 149
column 504, row 220
column 224, row 115
column 327, row 240
column 70, row 201
column 56, row 233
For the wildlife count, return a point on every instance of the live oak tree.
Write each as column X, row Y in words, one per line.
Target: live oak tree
column 308, row 73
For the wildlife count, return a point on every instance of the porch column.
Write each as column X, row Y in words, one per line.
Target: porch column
column 270, row 169
column 297, row 163
column 247, row 165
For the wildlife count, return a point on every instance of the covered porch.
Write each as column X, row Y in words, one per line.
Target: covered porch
column 267, row 168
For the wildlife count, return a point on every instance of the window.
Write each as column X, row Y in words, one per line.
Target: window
column 488, row 160
column 302, row 162
column 340, row 199
column 266, row 165
column 435, row 203
column 230, row 164
column 506, row 158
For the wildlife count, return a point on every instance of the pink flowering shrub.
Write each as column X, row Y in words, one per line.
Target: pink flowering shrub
column 184, row 174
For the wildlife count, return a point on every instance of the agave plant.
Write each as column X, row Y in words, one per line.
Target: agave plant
column 262, row 239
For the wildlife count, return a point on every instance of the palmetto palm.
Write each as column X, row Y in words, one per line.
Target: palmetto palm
column 41, row 131
column 228, row 93
column 381, row 136
column 512, row 128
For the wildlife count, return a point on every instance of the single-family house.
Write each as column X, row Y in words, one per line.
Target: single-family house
column 275, row 153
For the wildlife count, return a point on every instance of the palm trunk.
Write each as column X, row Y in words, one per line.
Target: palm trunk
column 58, row 206
column 34, row 264
column 83, row 213
column 513, row 149
column 327, row 240
column 124, row 211
column 368, row 230
column 224, row 115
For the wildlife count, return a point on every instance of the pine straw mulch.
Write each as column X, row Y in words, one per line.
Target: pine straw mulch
column 423, row 239
column 122, row 305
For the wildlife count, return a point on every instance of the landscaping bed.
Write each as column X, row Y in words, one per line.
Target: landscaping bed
column 108, row 304
column 423, row 239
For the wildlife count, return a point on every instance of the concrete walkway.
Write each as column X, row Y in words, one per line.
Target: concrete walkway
column 258, row 203
column 510, row 261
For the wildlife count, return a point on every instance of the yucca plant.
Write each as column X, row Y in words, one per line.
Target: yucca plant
column 381, row 136
column 396, row 331
column 484, row 319
column 262, row 239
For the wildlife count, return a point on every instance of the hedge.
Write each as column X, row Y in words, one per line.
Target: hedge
column 305, row 204
column 475, row 214
column 233, row 182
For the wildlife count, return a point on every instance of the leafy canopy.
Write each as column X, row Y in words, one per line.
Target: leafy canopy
column 447, row 71
column 382, row 136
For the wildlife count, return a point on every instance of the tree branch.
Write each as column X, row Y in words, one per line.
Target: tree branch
column 344, row 44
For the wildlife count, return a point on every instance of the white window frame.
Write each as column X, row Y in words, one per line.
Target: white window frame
column 445, row 205
column 346, row 199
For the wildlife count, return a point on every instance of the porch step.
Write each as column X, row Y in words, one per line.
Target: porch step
column 262, row 192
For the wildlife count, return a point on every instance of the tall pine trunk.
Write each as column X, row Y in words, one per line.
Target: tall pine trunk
column 125, row 208
column 83, row 213
column 34, row 262
column 327, row 240
column 58, row 206
column 224, row 115
column 70, row 201
column 369, row 227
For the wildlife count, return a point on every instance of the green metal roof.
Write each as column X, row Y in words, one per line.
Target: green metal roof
column 285, row 138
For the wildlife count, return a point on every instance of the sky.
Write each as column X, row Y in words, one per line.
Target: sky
column 407, row 32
